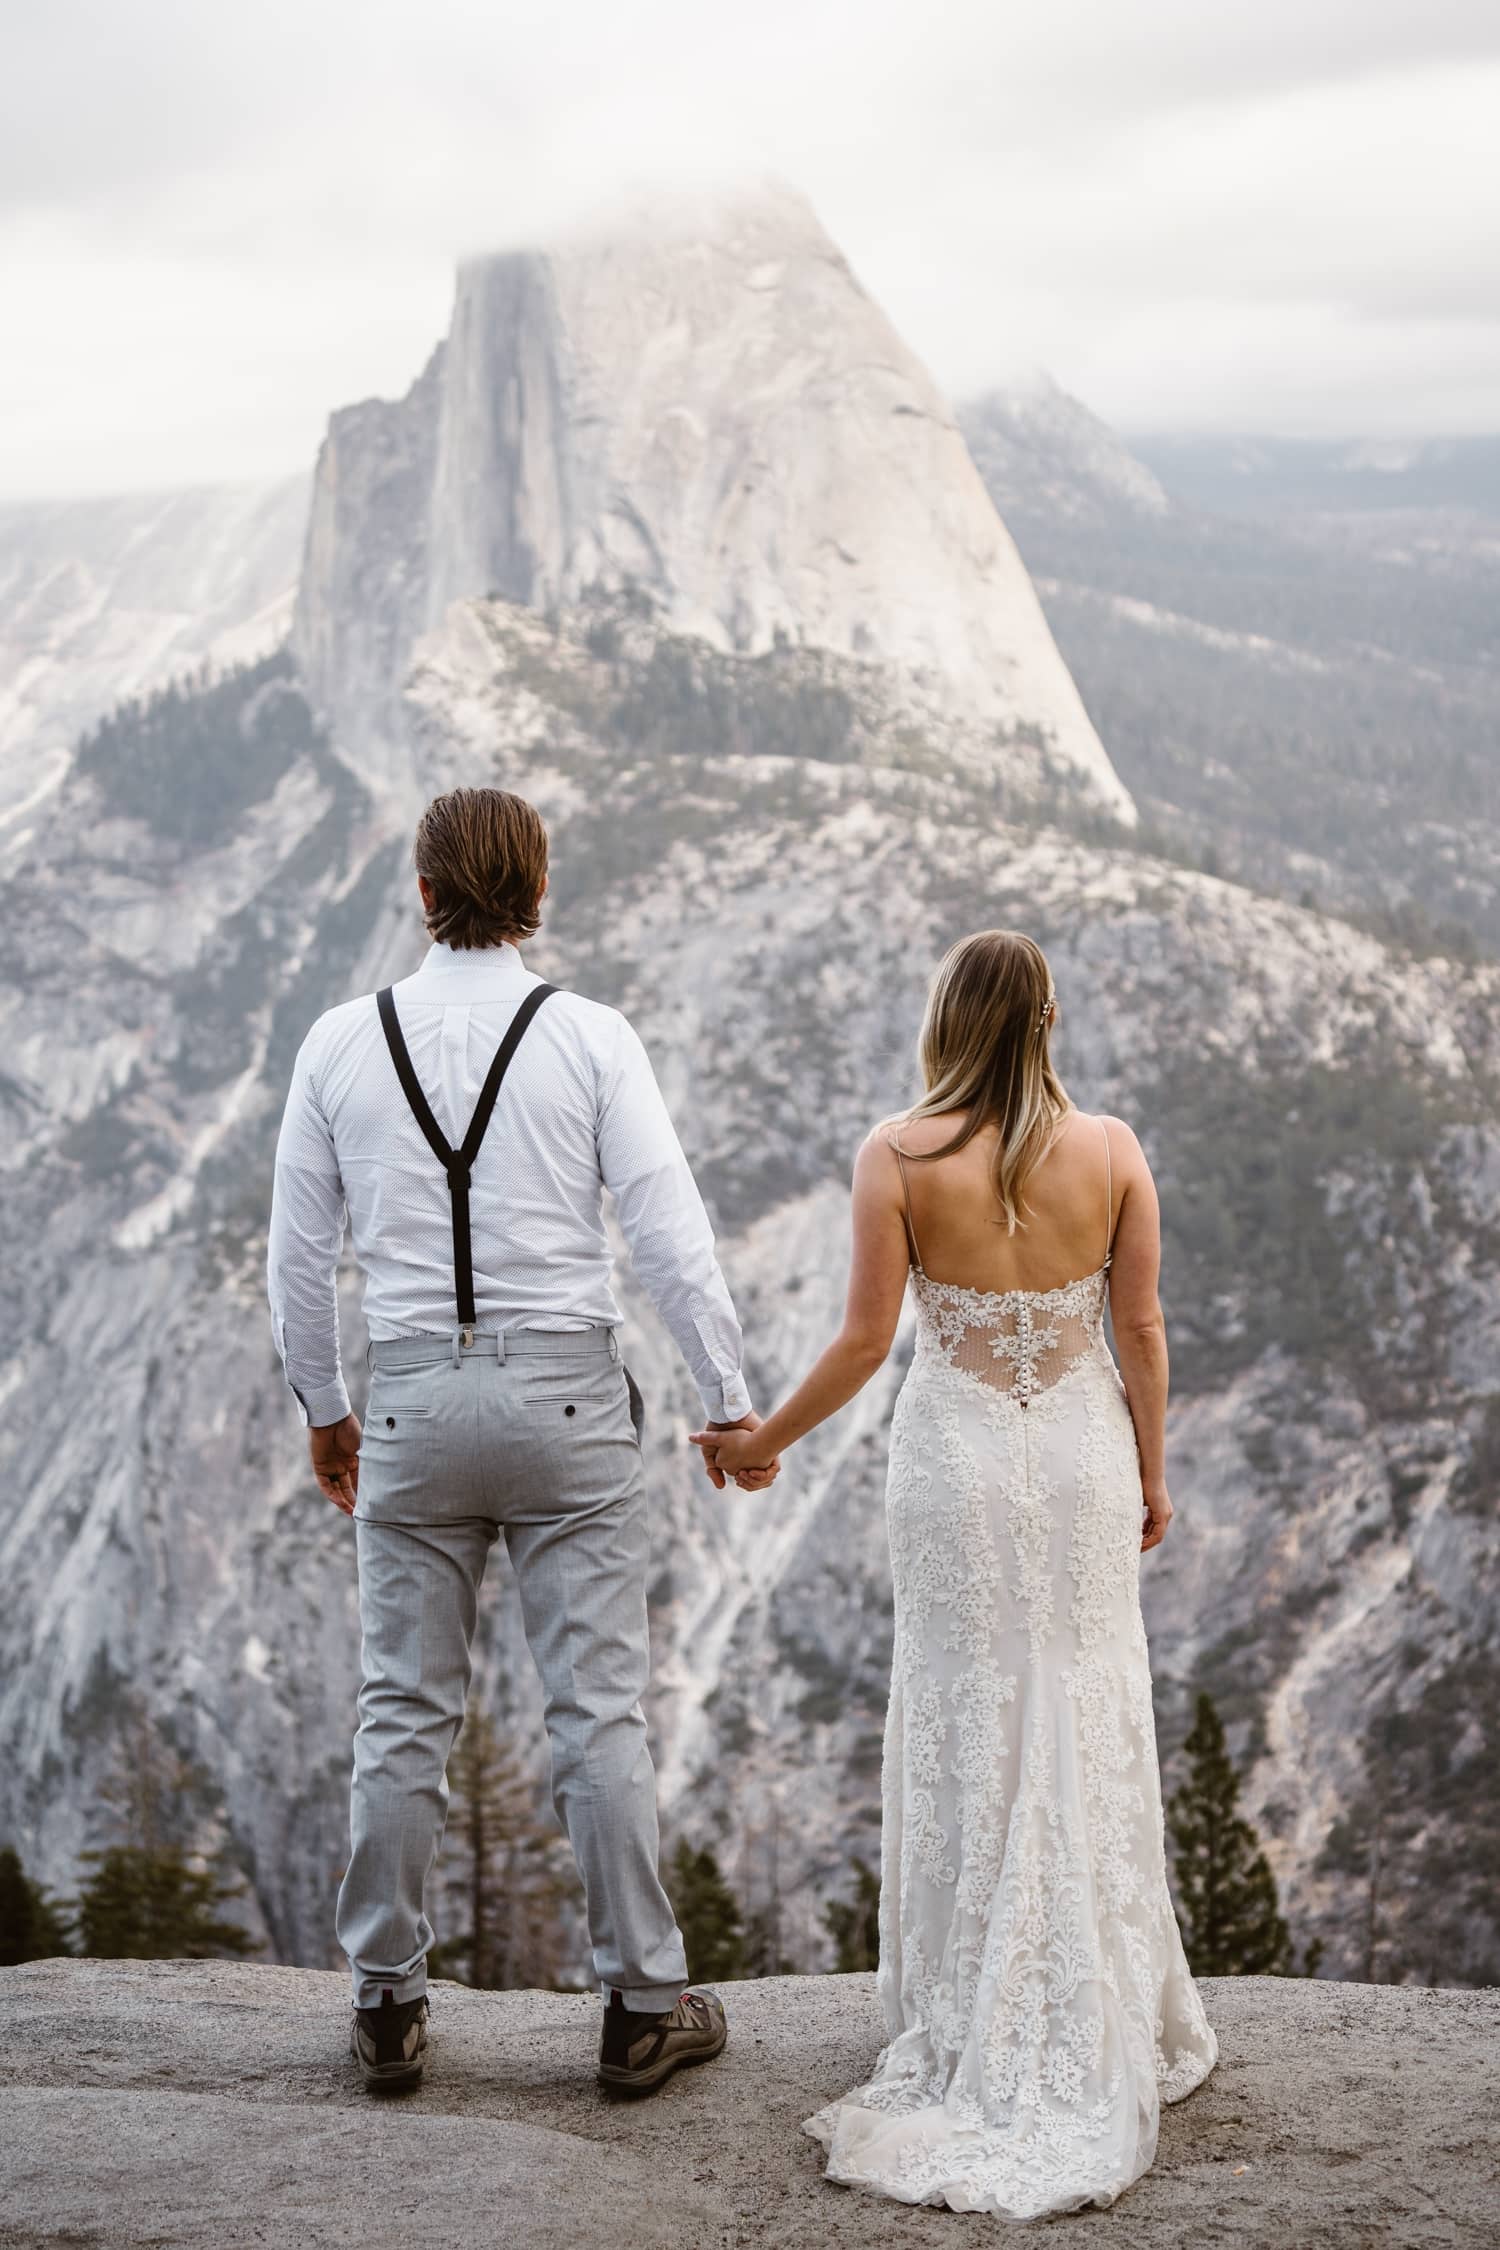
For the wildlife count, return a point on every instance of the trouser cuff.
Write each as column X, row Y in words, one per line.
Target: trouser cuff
column 369, row 1991
column 647, row 1999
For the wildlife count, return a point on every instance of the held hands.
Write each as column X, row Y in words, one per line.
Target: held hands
column 729, row 1449
column 334, row 1451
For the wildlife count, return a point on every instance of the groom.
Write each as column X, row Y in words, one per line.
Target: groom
column 467, row 1120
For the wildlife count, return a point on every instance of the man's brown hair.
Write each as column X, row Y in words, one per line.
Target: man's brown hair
column 485, row 854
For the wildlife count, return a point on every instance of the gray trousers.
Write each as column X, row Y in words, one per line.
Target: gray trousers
column 528, row 1435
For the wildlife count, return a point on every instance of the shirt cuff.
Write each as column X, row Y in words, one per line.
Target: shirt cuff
column 321, row 1407
column 729, row 1403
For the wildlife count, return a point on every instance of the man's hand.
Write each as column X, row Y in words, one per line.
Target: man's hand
column 749, row 1478
column 334, row 1452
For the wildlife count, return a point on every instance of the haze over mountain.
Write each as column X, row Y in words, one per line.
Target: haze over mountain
column 779, row 781
column 101, row 599
column 1291, row 649
column 710, row 410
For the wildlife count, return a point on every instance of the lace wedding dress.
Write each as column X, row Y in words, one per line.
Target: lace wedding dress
column 1036, row 1993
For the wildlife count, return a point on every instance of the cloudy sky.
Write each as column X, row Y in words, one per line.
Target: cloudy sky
column 216, row 223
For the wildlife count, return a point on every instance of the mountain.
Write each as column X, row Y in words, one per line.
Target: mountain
column 1290, row 649
column 761, row 844
column 709, row 409
column 1370, row 477
column 103, row 599
column 1042, row 453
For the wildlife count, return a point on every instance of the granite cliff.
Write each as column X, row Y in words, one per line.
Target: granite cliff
column 703, row 404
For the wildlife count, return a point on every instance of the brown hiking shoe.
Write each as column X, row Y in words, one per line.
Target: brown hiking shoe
column 640, row 2052
column 390, row 2044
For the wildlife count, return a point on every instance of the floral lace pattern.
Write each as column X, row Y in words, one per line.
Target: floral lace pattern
column 1017, row 1340
column 1037, row 1999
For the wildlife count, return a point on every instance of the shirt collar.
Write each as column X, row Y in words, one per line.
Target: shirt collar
column 487, row 968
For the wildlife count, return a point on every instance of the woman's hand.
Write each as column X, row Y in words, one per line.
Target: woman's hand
column 740, row 1454
column 1157, row 1516
column 877, row 1284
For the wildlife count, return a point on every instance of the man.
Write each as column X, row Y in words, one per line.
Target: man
column 468, row 1120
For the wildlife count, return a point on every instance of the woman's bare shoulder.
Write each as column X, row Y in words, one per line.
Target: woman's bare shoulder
column 1124, row 1146
column 919, row 1136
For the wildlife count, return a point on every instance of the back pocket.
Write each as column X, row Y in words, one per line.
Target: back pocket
column 592, row 1380
column 399, row 1395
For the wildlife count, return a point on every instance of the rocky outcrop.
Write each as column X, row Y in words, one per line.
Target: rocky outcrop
column 704, row 406
column 213, row 2105
column 104, row 599
column 1040, row 449
column 363, row 599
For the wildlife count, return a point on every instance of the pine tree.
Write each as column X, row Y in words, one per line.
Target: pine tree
column 1232, row 1924
column 708, row 1915
column 144, row 1905
column 31, row 1924
column 506, row 1878
column 854, row 1924
column 148, row 1897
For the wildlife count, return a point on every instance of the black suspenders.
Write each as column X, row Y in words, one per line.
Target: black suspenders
column 458, row 1163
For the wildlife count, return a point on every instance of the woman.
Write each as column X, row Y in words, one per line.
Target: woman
column 1035, row 1989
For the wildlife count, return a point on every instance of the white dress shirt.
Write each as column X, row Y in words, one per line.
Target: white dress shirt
column 579, row 1111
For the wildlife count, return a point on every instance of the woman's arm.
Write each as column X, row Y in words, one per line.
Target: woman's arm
column 1140, row 1331
column 877, row 1282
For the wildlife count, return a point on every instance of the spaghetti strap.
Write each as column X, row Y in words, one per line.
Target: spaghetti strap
column 892, row 1143
column 1109, row 1196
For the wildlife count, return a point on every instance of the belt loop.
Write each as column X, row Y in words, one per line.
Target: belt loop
column 614, row 1343
column 370, row 1355
column 456, row 1335
column 500, row 1349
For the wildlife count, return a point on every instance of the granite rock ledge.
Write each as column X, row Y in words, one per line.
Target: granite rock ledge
column 211, row 2104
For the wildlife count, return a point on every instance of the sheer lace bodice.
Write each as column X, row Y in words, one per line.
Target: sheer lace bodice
column 1037, row 1999
column 1019, row 1341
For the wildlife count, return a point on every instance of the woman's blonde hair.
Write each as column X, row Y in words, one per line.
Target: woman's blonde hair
column 986, row 1049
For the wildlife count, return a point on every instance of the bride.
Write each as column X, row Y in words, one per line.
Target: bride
column 1036, row 1994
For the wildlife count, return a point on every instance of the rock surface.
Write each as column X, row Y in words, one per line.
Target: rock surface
column 104, row 599
column 1290, row 653
column 1039, row 449
column 706, row 405
column 212, row 2104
